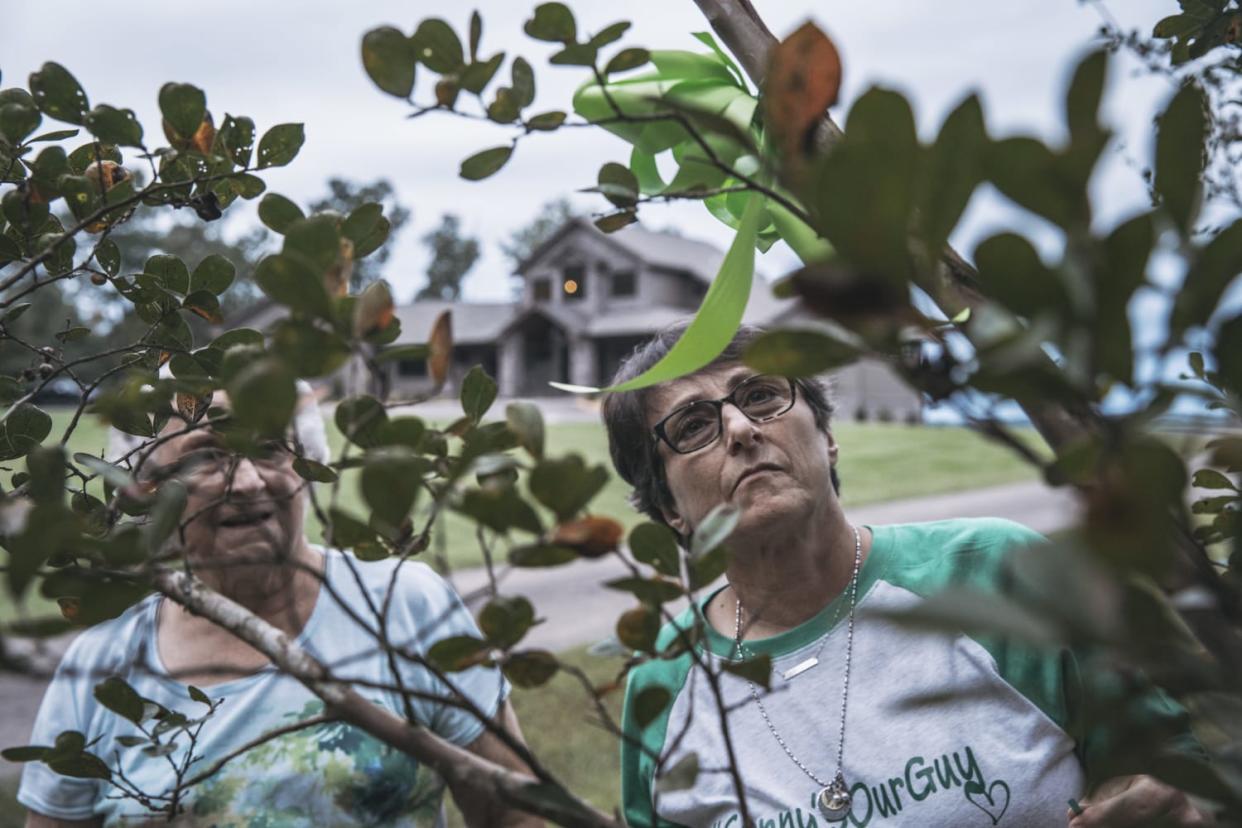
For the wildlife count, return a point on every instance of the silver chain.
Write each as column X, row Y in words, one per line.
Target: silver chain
column 845, row 692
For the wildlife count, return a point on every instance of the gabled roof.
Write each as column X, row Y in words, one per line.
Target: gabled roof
column 474, row 323
column 663, row 250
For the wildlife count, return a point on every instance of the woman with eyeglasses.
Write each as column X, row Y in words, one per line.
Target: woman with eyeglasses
column 865, row 720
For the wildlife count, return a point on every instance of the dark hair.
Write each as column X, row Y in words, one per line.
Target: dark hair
column 630, row 441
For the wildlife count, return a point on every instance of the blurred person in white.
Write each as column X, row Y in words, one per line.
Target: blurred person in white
column 244, row 538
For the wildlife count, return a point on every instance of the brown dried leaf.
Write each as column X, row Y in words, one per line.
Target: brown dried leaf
column 440, row 348
column 374, row 310
column 804, row 78
column 590, row 537
column 192, row 407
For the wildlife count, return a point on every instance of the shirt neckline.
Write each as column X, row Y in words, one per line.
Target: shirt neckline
column 815, row 627
column 156, row 663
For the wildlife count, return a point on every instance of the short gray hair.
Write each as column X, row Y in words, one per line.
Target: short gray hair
column 630, row 441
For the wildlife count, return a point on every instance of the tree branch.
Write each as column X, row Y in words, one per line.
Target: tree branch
column 459, row 767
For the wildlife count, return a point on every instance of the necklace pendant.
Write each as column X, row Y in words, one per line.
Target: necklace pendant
column 834, row 800
column 800, row 668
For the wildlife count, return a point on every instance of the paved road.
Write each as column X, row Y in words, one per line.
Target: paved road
column 579, row 610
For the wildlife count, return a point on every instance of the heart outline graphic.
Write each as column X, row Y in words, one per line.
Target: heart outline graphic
column 973, row 789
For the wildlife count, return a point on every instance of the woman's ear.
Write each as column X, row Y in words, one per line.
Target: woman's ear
column 834, row 450
column 676, row 522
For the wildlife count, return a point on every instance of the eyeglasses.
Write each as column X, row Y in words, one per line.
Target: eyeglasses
column 698, row 425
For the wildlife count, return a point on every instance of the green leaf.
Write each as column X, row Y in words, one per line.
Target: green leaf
column 362, row 221
column 798, row 353
column 116, row 695
column 756, row 669
column 457, row 652
column 237, row 136
column 530, row 668
column 26, row 753
column 214, row 273
column 681, row 776
column 18, row 120
column 713, row 530
column 540, row 555
column 1177, row 25
column 316, row 240
column 72, row 334
column 184, row 106
column 372, row 242
column 390, row 59
column 618, row 184
column 476, row 33
column 437, row 46
column 650, row 703
column 627, row 59
column 1180, row 136
column 1212, row 479
column 247, row 186
column 291, row 282
column 204, row 304
column 609, row 34
column 280, row 145
column 652, row 591
column 81, row 766
column 478, row 392
column 638, row 628
column 485, row 163
column 1027, row 172
column 169, row 271
column 553, row 22
column 566, row 485
column 505, row 620
column 523, row 83
column 1011, row 271
column 526, row 422
column 499, row 509
column 951, row 172
column 475, row 77
column 546, row 121
column 1082, row 100
column 615, row 221
column 279, row 213
column 575, row 54
column 1212, row 269
column 23, row 428
column 115, row 126
column 313, row 471
column 720, row 314
column 656, row 545
column 57, row 93
column 503, row 110
column 165, row 515
column 55, row 135
column 237, row 336
column 264, row 397
column 109, row 256
column 361, row 420
column 391, row 478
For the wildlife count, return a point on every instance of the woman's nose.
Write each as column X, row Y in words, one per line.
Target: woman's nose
column 739, row 431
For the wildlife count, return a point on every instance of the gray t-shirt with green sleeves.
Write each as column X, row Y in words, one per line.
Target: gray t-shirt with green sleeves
column 940, row 730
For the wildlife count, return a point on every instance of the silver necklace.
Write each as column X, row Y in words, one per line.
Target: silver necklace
column 833, row 797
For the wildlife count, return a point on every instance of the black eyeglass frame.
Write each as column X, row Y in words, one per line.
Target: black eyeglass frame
column 718, row 405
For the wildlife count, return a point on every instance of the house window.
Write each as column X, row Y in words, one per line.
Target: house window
column 412, row 367
column 543, row 290
column 624, row 283
column 573, row 282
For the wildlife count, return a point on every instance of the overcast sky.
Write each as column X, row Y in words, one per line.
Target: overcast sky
column 286, row 61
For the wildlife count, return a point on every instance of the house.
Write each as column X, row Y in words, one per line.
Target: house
column 587, row 300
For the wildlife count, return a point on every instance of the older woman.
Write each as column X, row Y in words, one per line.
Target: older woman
column 866, row 722
column 244, row 537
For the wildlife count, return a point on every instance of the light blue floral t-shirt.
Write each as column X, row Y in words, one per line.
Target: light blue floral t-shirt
column 328, row 774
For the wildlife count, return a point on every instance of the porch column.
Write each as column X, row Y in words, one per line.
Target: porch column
column 509, row 365
column 582, row 361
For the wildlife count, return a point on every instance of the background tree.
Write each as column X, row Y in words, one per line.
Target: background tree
column 452, row 256
column 344, row 196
